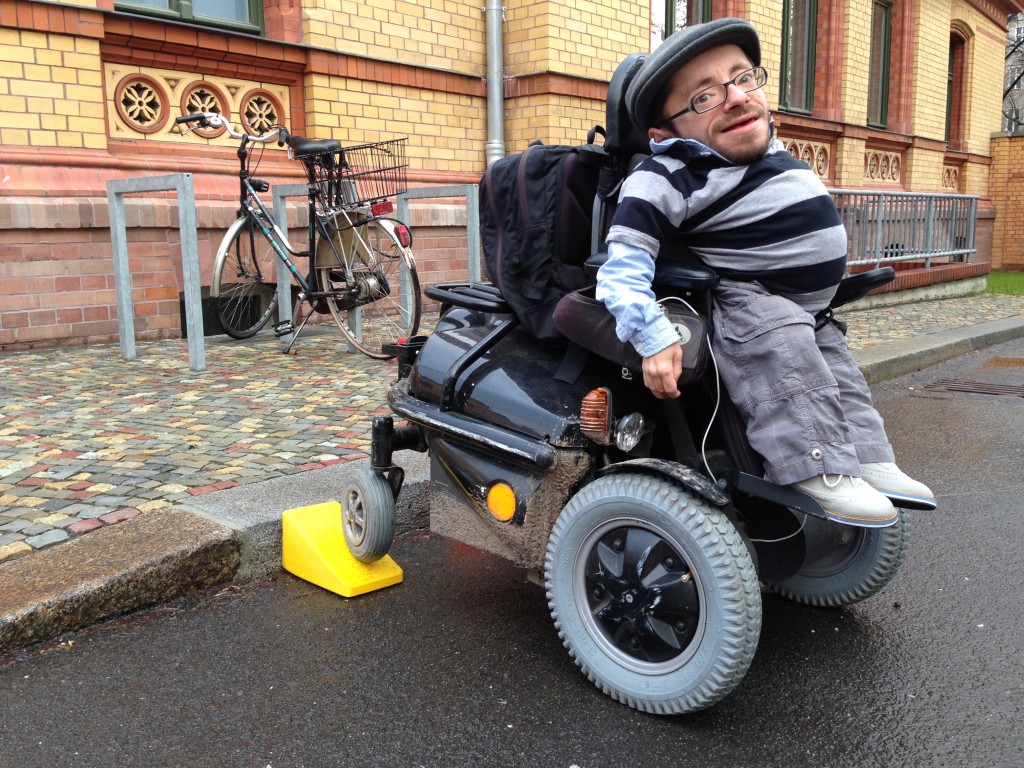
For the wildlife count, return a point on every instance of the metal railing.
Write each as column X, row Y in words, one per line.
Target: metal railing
column 885, row 227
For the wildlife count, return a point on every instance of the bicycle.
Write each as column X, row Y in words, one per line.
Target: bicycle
column 361, row 268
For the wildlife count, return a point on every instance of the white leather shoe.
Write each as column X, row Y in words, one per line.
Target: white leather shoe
column 849, row 500
column 885, row 477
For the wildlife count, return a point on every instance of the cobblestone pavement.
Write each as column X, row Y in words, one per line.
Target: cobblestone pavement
column 88, row 439
column 868, row 328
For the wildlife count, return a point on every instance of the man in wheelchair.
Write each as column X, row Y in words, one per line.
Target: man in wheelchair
column 720, row 184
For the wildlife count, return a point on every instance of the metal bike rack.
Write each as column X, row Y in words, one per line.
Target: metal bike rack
column 279, row 193
column 472, row 194
column 182, row 184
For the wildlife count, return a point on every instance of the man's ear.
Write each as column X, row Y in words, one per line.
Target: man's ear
column 661, row 134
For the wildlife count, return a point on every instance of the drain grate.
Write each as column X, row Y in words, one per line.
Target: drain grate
column 976, row 387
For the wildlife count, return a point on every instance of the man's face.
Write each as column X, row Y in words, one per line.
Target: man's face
column 738, row 129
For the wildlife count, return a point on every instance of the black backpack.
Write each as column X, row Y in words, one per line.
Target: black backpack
column 537, row 225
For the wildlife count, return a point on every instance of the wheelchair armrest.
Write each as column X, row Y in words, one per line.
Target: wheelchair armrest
column 861, row 284
column 683, row 272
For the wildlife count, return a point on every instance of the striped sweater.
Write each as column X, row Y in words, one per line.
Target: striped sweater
column 772, row 221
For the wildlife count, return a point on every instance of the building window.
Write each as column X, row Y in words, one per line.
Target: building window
column 240, row 15
column 956, row 89
column 878, row 74
column 668, row 16
column 799, row 28
column 1016, row 75
column 1011, row 120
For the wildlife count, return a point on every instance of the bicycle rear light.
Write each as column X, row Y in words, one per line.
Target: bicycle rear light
column 381, row 208
column 404, row 235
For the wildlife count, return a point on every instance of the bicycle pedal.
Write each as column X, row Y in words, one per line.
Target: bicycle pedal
column 284, row 328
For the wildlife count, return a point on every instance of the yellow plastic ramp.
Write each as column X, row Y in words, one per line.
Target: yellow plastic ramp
column 313, row 548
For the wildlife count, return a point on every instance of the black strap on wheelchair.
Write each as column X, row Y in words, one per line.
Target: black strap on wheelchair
column 573, row 362
column 823, row 318
column 827, row 316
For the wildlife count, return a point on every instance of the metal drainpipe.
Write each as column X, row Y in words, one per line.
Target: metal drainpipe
column 494, row 149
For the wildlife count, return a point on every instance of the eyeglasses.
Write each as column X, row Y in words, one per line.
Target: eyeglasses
column 716, row 95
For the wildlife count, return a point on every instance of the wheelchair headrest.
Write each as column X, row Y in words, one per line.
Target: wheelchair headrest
column 623, row 137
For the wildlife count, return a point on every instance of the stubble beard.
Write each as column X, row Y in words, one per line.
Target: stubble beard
column 750, row 151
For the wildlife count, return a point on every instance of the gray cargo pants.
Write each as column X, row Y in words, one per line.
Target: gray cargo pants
column 807, row 407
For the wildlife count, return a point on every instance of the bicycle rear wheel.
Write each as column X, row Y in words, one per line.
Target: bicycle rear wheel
column 248, row 280
column 382, row 301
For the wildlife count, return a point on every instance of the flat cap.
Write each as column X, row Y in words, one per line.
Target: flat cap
column 679, row 48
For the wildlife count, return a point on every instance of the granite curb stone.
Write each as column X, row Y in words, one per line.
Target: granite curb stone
column 149, row 559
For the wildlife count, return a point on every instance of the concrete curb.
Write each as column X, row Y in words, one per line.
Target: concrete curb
column 253, row 511
column 898, row 358
column 236, row 534
column 140, row 562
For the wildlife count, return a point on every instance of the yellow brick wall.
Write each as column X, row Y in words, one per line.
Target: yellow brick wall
column 849, row 162
column 856, row 62
column 922, row 170
column 51, row 91
column 849, row 151
column 553, row 119
column 931, row 63
column 985, row 52
column 442, row 125
column 1007, row 191
column 974, row 178
column 586, row 38
column 443, row 34
column 767, row 19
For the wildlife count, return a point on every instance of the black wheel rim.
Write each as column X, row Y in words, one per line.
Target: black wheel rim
column 831, row 547
column 643, row 599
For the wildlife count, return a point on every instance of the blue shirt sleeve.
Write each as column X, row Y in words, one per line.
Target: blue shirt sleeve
column 624, row 287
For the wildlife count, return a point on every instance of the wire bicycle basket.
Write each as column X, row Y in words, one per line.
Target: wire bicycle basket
column 358, row 175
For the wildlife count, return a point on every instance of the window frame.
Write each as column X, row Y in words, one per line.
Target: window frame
column 1012, row 122
column 181, row 10
column 878, row 112
column 697, row 11
column 810, row 45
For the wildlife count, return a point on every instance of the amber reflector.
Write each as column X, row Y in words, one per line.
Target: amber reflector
column 501, row 502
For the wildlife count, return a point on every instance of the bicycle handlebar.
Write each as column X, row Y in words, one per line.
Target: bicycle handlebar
column 217, row 120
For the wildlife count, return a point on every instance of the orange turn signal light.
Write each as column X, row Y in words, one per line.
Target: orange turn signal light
column 595, row 415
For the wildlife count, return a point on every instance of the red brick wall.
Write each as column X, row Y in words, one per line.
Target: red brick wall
column 57, row 283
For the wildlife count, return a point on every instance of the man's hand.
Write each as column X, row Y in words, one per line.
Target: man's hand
column 662, row 371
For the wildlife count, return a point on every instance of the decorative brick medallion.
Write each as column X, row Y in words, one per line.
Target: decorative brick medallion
column 146, row 101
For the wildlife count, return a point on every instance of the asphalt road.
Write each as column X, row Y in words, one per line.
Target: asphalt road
column 460, row 665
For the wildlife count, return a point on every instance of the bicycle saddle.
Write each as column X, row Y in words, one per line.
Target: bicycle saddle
column 306, row 147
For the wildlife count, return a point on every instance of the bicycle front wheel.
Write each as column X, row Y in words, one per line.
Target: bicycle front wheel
column 247, row 280
column 376, row 299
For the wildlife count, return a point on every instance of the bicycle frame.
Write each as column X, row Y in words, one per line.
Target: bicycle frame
column 252, row 208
